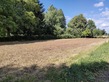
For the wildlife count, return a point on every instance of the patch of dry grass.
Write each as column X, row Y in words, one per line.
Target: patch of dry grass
column 43, row 53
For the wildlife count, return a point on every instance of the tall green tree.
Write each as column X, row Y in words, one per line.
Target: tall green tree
column 78, row 25
column 91, row 24
column 30, row 16
column 7, row 15
column 61, row 21
column 21, row 17
column 54, row 20
column 78, row 22
column 50, row 19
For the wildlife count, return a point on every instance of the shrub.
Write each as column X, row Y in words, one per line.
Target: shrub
column 67, row 36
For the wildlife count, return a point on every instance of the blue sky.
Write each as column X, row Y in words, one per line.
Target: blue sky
column 97, row 10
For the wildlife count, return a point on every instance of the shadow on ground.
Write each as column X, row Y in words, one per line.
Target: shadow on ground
column 84, row 72
column 25, row 39
column 23, row 42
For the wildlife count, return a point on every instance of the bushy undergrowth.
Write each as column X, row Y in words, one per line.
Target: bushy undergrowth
column 27, row 38
column 67, row 36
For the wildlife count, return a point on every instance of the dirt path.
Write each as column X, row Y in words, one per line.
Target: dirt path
column 43, row 53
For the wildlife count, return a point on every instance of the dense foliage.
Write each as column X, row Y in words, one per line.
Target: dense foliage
column 55, row 21
column 81, row 27
column 27, row 18
column 21, row 17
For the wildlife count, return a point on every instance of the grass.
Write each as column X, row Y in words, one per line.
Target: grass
column 85, row 69
column 24, row 79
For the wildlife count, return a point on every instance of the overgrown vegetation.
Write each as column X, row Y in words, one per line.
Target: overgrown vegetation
column 27, row 18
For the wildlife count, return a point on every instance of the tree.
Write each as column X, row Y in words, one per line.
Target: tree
column 103, row 32
column 61, row 21
column 7, row 15
column 30, row 16
column 50, row 19
column 21, row 17
column 58, row 31
column 86, row 33
column 54, row 18
column 91, row 24
column 78, row 22
column 39, row 14
column 27, row 18
column 69, row 31
column 97, row 32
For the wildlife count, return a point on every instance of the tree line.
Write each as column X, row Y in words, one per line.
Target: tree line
column 27, row 18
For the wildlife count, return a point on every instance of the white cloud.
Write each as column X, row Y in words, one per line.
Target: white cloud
column 100, row 18
column 105, row 24
column 100, row 9
column 102, row 23
column 100, row 4
column 106, row 12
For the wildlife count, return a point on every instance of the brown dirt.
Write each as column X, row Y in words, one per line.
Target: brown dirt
column 43, row 52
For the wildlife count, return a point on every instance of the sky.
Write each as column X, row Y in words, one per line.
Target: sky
column 97, row 10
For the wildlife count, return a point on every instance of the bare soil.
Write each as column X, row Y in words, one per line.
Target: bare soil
column 42, row 53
